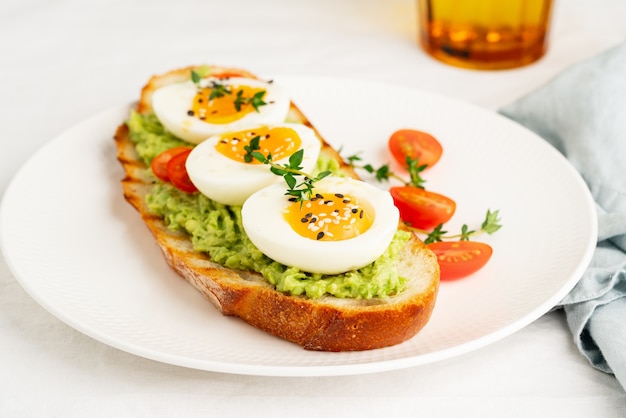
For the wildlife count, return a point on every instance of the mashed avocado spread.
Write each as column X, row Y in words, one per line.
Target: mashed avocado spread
column 217, row 230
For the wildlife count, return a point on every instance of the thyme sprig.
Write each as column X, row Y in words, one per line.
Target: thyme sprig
column 384, row 172
column 490, row 225
column 219, row 90
column 299, row 191
column 255, row 101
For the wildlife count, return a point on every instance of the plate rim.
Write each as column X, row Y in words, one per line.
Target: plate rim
column 289, row 370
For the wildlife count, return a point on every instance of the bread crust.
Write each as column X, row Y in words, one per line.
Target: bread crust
column 326, row 324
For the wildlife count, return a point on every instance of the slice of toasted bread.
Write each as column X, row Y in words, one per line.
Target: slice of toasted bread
column 327, row 323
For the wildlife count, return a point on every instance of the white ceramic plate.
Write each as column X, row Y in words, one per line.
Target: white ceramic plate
column 83, row 253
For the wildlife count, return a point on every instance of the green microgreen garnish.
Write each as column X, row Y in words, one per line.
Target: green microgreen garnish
column 290, row 171
column 490, row 225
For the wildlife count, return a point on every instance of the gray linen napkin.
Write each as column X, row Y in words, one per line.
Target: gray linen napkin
column 582, row 113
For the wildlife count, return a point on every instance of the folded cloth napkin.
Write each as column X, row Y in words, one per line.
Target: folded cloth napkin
column 582, row 113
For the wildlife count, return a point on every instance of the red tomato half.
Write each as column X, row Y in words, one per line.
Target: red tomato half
column 231, row 74
column 177, row 172
column 415, row 144
column 420, row 208
column 458, row 259
column 159, row 163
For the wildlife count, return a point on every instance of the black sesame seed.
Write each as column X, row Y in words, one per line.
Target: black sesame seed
column 200, row 100
column 308, row 215
column 355, row 210
column 339, row 195
column 293, row 199
column 304, row 220
column 327, row 202
column 346, row 200
column 320, row 235
column 313, row 220
column 190, row 112
column 319, row 196
column 361, row 214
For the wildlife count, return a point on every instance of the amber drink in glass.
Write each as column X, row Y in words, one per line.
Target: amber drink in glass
column 484, row 34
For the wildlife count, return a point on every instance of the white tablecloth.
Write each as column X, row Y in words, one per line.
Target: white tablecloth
column 62, row 61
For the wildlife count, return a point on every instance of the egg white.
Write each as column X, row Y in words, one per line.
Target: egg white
column 230, row 182
column 265, row 224
column 171, row 103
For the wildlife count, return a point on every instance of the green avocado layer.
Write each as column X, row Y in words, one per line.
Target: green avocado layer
column 217, row 230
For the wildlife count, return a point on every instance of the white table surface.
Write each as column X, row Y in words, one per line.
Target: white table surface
column 62, row 61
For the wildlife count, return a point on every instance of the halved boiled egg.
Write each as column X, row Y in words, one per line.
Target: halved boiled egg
column 194, row 112
column 218, row 166
column 346, row 226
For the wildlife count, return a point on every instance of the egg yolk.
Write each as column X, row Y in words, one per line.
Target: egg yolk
column 222, row 103
column 279, row 142
column 328, row 217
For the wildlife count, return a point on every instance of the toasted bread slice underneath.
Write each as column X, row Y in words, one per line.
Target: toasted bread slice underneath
column 327, row 323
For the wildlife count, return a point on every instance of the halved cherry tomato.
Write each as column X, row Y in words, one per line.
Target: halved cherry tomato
column 420, row 208
column 415, row 144
column 458, row 259
column 231, row 74
column 177, row 172
column 159, row 163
